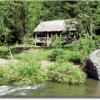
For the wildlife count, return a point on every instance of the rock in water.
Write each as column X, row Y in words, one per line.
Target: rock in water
column 93, row 65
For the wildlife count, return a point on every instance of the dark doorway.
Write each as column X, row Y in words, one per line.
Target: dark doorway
column 97, row 32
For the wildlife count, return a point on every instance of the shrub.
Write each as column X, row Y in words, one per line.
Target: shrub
column 28, row 39
column 56, row 42
column 56, row 54
column 23, row 73
column 85, row 47
column 85, row 44
column 97, row 42
column 3, row 77
column 82, row 44
column 82, row 48
column 70, row 46
column 66, row 73
column 76, row 58
column 73, row 56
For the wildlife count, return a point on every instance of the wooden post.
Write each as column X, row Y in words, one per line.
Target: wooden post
column 56, row 35
column 90, row 26
column 60, row 36
column 35, row 38
column 51, row 38
column 47, row 39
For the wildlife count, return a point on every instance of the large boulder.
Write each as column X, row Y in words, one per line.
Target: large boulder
column 93, row 65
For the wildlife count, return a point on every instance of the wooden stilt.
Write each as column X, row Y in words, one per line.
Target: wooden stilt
column 47, row 39
column 35, row 38
column 51, row 38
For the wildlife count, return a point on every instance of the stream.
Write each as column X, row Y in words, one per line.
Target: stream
column 51, row 89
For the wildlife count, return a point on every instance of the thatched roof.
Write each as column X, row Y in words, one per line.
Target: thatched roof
column 52, row 26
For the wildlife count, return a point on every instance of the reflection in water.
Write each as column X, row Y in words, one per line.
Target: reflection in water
column 50, row 89
column 93, row 88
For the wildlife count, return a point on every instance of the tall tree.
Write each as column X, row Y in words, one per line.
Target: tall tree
column 87, row 15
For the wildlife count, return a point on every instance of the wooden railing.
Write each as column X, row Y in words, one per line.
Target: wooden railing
column 43, row 39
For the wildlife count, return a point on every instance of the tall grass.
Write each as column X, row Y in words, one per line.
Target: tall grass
column 28, row 71
column 66, row 73
column 22, row 74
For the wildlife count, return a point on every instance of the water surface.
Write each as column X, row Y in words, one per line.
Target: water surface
column 51, row 89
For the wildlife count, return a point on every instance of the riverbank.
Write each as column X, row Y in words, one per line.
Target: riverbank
column 29, row 70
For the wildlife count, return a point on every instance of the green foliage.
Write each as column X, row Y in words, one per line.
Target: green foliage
column 35, row 54
column 66, row 73
column 59, row 9
column 85, row 45
column 56, row 43
column 81, row 44
column 21, row 17
column 24, row 73
column 88, row 16
column 75, row 52
column 13, row 18
column 70, row 46
column 28, row 70
column 28, row 39
column 97, row 42
column 76, row 58
column 80, row 49
column 56, row 54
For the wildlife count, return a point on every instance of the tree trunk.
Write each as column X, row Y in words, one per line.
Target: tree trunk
column 90, row 26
